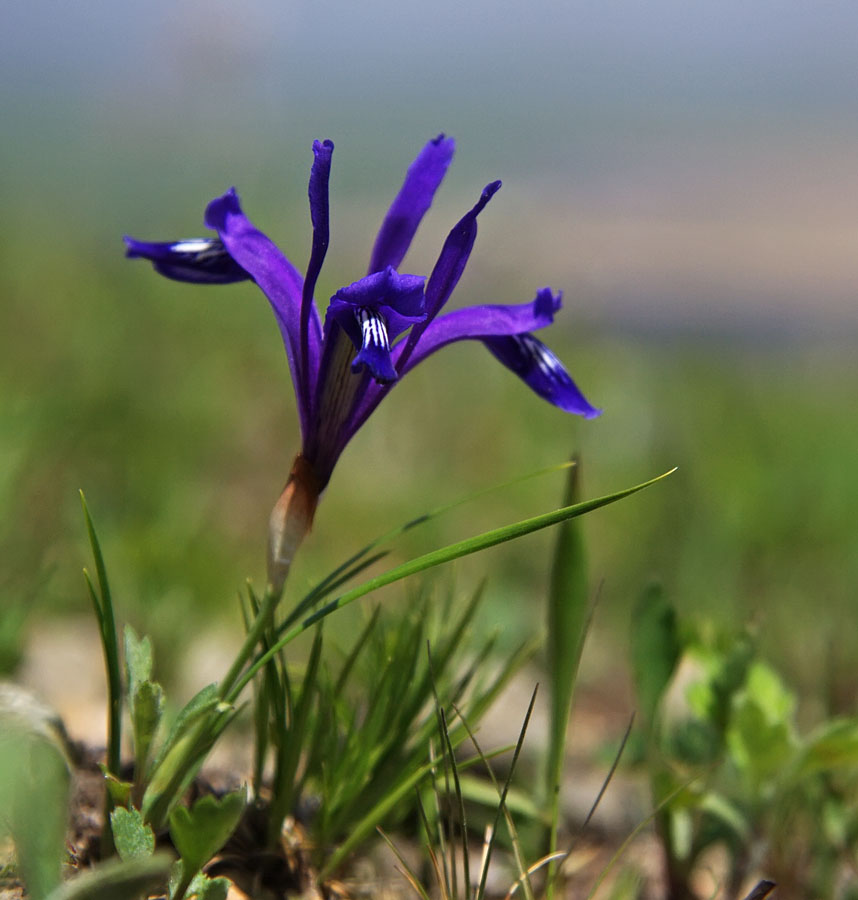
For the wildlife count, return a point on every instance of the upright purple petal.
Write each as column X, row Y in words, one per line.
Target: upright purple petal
column 480, row 322
column 444, row 278
column 320, row 218
column 197, row 260
column 541, row 371
column 415, row 197
column 276, row 276
column 455, row 253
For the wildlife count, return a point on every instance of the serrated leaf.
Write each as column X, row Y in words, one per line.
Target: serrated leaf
column 132, row 837
column 205, row 888
column 146, row 706
column 655, row 650
column 198, row 833
column 138, row 659
column 118, row 880
column 120, row 791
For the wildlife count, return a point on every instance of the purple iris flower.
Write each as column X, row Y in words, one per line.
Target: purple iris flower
column 342, row 369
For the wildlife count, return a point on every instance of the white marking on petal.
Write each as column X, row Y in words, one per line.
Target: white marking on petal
column 196, row 245
column 548, row 363
column 373, row 329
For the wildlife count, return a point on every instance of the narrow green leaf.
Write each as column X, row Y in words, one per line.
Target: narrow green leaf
column 175, row 772
column 110, row 645
column 201, row 704
column 655, row 650
column 291, row 745
column 198, row 833
column 132, row 837
column 568, row 618
column 359, row 561
column 437, row 558
column 118, row 880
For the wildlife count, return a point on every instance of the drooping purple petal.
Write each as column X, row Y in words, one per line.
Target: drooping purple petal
column 480, row 322
column 278, row 279
column 197, row 260
column 541, row 371
column 415, row 197
column 320, row 218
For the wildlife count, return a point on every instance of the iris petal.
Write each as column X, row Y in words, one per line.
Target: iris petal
column 375, row 347
column 196, row 260
column 415, row 197
column 542, row 372
column 276, row 276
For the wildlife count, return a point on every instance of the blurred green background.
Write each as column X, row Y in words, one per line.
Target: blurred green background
column 684, row 173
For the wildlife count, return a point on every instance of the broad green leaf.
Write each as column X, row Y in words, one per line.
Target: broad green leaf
column 200, row 887
column 833, row 745
column 760, row 744
column 198, row 833
column 34, row 793
column 118, row 880
column 132, row 837
column 655, row 650
column 764, row 687
column 719, row 806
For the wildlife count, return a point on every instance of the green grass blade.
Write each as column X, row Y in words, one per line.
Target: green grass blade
column 501, row 810
column 293, row 742
column 506, row 797
column 406, row 871
column 109, row 642
column 358, row 561
column 436, row 558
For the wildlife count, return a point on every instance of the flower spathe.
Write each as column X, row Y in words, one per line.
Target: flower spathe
column 375, row 330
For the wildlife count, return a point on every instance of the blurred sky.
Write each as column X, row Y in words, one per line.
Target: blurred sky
column 672, row 165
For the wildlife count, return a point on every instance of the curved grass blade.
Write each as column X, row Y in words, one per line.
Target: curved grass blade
column 356, row 563
column 436, row 558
